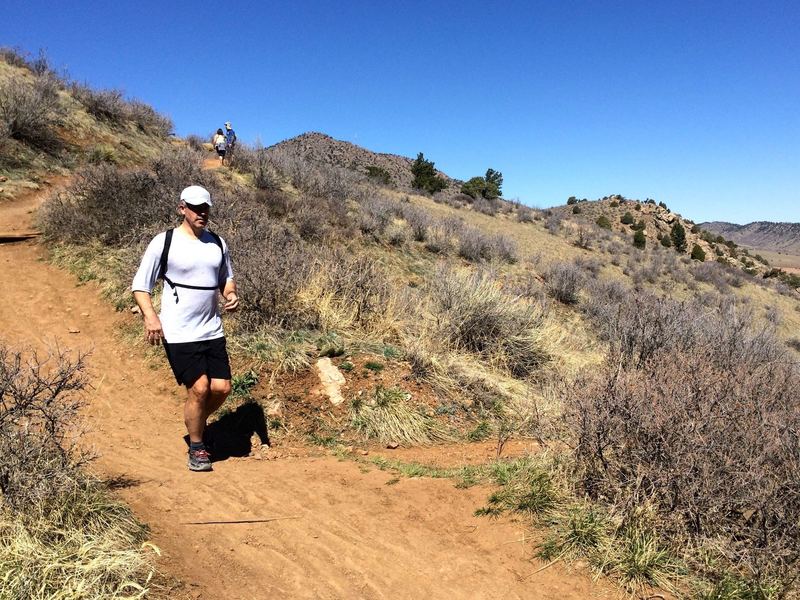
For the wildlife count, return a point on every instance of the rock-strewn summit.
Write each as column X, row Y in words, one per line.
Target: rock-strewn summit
column 322, row 148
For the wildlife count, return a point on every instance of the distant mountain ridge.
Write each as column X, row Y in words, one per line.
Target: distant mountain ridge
column 764, row 235
column 322, row 148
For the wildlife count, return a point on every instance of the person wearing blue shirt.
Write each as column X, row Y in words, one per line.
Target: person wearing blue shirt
column 230, row 135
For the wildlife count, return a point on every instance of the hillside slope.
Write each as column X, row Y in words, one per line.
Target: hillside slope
column 760, row 235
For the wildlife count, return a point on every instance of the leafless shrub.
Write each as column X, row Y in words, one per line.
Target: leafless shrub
column 39, row 402
column 257, row 163
column 584, row 238
column 112, row 106
column 419, row 220
column 474, row 314
column 30, row 111
column 310, row 221
column 525, row 214
column 473, row 245
column 195, row 142
column 272, row 266
column 317, row 179
column 15, row 57
column 457, row 201
column 564, row 282
column 553, row 223
column 714, row 452
column 148, row 120
column 590, row 265
column 98, row 205
column 438, row 240
column 377, row 213
column 713, row 273
column 504, row 248
column 487, row 207
column 108, row 105
column 397, row 234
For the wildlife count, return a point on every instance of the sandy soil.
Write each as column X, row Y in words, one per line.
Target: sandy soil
column 300, row 526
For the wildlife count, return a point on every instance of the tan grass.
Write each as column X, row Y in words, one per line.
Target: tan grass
column 388, row 415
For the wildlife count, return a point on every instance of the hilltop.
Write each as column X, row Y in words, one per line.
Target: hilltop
column 323, row 149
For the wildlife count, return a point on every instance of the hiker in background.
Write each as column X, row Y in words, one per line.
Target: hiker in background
column 189, row 324
column 220, row 145
column 230, row 136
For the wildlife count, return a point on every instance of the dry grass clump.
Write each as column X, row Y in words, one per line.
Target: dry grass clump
column 473, row 314
column 352, row 293
column 387, row 415
column 716, row 454
column 61, row 536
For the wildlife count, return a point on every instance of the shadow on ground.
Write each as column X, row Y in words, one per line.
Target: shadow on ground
column 232, row 434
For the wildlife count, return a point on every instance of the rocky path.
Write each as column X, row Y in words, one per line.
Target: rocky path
column 292, row 527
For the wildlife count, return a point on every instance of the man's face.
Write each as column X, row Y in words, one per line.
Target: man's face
column 196, row 215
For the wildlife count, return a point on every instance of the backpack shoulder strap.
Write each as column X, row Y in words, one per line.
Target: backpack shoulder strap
column 217, row 240
column 162, row 270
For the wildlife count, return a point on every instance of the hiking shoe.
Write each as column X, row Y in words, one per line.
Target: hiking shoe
column 199, row 460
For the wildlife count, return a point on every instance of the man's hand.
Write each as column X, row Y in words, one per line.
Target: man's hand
column 152, row 330
column 232, row 302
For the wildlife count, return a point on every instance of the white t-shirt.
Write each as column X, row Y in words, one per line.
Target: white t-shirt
column 194, row 316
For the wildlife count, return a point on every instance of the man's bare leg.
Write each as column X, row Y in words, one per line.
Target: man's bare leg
column 194, row 411
column 219, row 390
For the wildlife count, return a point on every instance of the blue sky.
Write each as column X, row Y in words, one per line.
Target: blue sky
column 696, row 104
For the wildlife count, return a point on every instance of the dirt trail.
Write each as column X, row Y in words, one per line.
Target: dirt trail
column 338, row 532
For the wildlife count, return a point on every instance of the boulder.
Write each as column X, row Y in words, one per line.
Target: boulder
column 331, row 380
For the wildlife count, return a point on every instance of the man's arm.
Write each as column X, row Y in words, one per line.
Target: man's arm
column 152, row 324
column 230, row 295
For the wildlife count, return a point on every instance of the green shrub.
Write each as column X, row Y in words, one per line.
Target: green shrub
column 379, row 174
column 425, row 177
column 666, row 241
column 678, row 235
column 626, row 219
column 698, row 253
column 639, row 240
column 572, row 200
column 576, row 210
column 603, row 222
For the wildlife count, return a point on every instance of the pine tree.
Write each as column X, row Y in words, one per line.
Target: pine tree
column 678, row 235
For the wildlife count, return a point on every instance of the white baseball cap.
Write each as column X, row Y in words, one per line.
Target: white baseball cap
column 196, row 195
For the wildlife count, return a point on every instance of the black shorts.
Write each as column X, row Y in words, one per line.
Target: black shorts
column 221, row 153
column 190, row 360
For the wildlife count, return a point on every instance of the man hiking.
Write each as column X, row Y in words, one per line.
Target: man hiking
column 195, row 266
column 230, row 135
